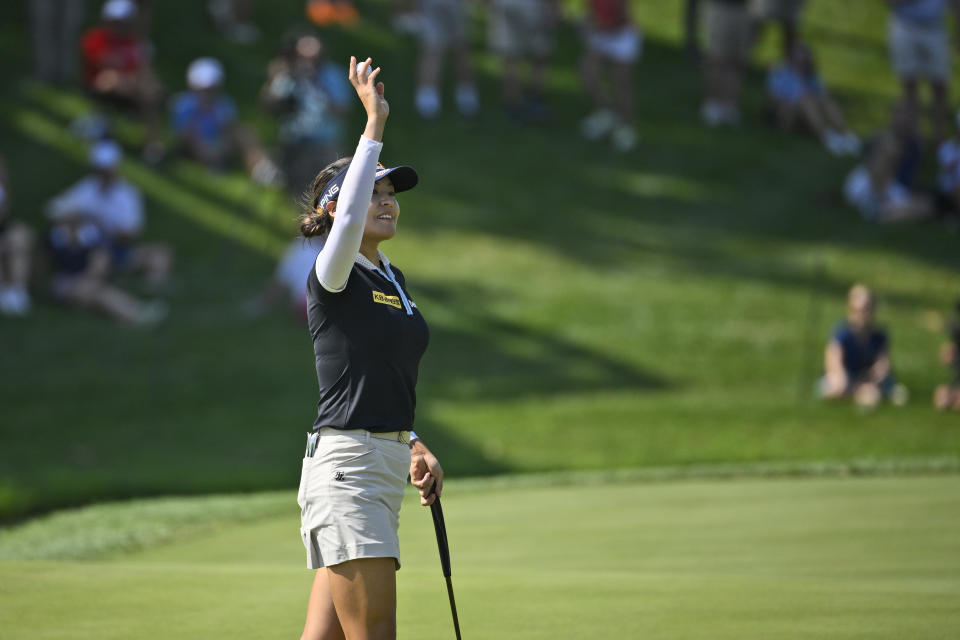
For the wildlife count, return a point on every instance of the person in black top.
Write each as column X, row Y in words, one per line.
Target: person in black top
column 368, row 338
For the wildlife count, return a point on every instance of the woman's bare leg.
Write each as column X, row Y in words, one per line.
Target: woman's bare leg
column 322, row 622
column 364, row 594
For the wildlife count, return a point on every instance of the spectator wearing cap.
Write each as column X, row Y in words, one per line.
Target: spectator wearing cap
column 857, row 361
column 115, row 207
column 82, row 249
column 55, row 30
column 16, row 253
column 728, row 51
column 520, row 33
column 204, row 121
column 118, row 70
column 798, row 98
column 311, row 96
column 947, row 396
column 613, row 42
column 443, row 30
column 920, row 51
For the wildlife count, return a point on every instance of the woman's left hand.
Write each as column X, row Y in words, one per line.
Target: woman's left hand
column 425, row 471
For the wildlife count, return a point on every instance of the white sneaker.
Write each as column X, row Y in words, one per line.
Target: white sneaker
column 428, row 102
column 468, row 101
column 624, row 138
column 834, row 142
column 597, row 124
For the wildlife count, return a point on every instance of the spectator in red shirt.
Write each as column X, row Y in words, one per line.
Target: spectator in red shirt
column 117, row 69
column 613, row 43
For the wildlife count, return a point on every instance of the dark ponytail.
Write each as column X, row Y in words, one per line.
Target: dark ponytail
column 313, row 222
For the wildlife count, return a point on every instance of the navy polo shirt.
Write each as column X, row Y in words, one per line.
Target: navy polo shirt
column 860, row 353
column 368, row 340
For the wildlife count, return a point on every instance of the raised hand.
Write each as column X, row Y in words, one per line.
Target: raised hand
column 371, row 95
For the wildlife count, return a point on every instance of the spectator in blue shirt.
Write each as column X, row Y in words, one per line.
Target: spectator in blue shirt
column 205, row 123
column 857, row 359
column 798, row 97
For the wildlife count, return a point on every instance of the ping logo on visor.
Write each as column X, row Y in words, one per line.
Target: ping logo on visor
column 403, row 178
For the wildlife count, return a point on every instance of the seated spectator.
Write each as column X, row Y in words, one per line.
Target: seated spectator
column 521, row 33
column 443, row 30
column 311, row 96
column 118, row 71
column 797, row 97
column 728, row 52
column 115, row 207
column 857, row 358
column 947, row 396
column 205, row 123
column 289, row 282
column 613, row 44
column 81, row 262
column 880, row 188
column 325, row 13
column 16, row 253
column 234, row 19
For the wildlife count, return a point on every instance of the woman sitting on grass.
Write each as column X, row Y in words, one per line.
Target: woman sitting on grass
column 857, row 359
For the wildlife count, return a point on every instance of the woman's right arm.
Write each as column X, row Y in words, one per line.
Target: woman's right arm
column 343, row 242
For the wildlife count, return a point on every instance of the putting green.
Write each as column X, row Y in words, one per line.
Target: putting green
column 766, row 559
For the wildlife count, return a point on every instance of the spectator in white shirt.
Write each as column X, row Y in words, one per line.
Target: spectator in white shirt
column 116, row 207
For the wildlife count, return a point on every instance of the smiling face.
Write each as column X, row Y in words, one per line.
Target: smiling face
column 383, row 212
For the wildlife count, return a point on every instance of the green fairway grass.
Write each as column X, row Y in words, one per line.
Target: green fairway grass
column 742, row 559
column 588, row 311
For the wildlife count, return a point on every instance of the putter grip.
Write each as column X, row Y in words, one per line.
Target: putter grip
column 441, row 530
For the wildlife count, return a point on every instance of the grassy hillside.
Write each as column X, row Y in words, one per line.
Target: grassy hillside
column 587, row 310
column 746, row 559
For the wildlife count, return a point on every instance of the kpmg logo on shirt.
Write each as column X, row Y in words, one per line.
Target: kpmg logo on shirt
column 393, row 301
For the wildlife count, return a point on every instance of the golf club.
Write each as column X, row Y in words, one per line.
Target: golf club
column 441, row 530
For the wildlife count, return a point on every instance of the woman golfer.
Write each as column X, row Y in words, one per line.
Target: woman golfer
column 368, row 337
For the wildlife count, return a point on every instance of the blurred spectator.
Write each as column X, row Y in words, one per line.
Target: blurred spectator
column 798, row 98
column 234, row 19
column 857, row 358
column 947, row 396
column 325, row 13
column 948, row 177
column 405, row 17
column 786, row 13
column 919, row 50
column 55, row 28
column 81, row 263
column 521, row 31
column 118, row 70
column 205, row 123
column 613, row 45
column 115, row 207
column 691, row 23
column 16, row 252
column 443, row 30
column 880, row 188
column 728, row 51
column 289, row 282
column 311, row 96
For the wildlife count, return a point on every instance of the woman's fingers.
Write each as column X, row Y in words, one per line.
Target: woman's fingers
column 352, row 70
column 373, row 74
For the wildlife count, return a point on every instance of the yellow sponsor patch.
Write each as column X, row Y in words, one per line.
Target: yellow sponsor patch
column 393, row 301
